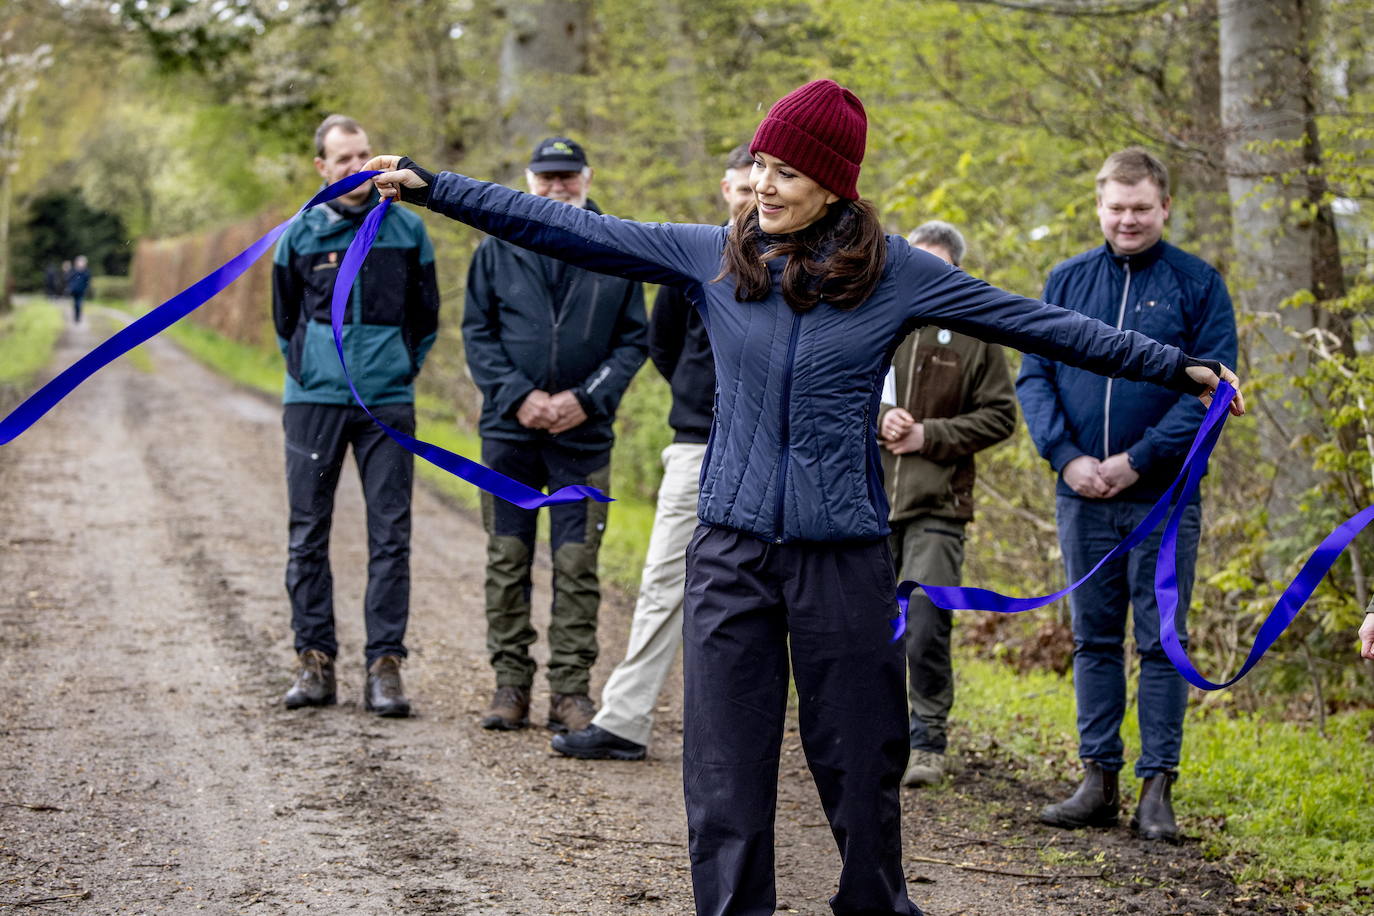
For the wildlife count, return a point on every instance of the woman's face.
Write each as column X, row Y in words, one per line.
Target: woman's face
column 788, row 200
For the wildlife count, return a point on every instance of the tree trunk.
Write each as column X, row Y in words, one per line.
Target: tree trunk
column 1204, row 206
column 8, row 144
column 545, row 43
column 1266, row 87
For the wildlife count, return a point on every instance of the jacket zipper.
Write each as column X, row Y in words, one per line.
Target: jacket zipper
column 784, row 428
column 556, row 313
column 1107, row 406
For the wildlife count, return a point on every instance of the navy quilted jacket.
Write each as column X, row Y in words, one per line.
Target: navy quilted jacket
column 793, row 453
column 1169, row 296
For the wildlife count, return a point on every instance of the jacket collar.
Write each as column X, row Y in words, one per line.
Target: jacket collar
column 1139, row 260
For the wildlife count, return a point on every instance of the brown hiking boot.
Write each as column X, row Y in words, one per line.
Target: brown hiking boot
column 384, row 695
column 314, row 684
column 570, row 712
column 510, row 709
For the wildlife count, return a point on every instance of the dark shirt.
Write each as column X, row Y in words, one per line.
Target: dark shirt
column 681, row 351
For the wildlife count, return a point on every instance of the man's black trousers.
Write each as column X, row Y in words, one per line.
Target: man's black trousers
column 317, row 438
column 748, row 602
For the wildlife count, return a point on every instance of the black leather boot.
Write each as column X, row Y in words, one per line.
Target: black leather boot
column 1097, row 803
column 314, row 685
column 384, row 695
column 1154, row 815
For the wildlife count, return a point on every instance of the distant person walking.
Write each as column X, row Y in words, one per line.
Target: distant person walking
column 53, row 287
column 78, row 284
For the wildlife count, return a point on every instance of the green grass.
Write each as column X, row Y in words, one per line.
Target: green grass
column 253, row 367
column 629, row 522
column 1281, row 800
column 28, row 336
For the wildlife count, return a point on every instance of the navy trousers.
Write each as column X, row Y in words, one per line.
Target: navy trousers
column 317, row 439
column 749, row 604
column 1088, row 530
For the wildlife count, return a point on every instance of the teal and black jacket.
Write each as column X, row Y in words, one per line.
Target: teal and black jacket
column 393, row 312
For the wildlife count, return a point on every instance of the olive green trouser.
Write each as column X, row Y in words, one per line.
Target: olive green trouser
column 575, row 540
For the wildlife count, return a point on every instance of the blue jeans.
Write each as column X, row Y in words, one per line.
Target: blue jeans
column 1088, row 530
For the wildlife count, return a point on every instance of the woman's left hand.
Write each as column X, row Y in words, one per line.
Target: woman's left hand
column 1204, row 376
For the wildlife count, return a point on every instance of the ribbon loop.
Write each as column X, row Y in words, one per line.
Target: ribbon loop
column 1166, row 569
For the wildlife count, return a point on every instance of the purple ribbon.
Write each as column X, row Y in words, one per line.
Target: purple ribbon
column 949, row 597
column 1166, row 571
column 197, row 294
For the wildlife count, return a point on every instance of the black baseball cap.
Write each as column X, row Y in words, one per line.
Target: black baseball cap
column 558, row 154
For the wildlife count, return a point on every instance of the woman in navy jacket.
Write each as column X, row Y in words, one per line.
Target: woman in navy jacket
column 804, row 301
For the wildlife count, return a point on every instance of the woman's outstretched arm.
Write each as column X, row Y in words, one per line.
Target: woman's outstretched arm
column 676, row 254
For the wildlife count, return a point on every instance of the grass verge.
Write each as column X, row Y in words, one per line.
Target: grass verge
column 1279, row 800
column 28, row 336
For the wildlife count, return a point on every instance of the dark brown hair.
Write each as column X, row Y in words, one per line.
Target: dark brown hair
column 838, row 259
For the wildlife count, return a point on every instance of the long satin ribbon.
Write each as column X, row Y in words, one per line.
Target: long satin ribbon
column 197, row 294
column 1166, row 572
column 950, row 597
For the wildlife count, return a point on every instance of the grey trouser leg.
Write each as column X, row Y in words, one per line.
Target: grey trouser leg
column 929, row 550
column 627, row 702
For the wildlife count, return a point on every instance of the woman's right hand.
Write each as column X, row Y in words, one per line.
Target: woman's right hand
column 392, row 179
column 1367, row 636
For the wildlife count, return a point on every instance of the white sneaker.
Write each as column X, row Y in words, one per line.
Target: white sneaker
column 926, row 768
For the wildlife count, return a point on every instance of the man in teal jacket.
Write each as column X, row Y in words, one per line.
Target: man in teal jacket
column 391, row 322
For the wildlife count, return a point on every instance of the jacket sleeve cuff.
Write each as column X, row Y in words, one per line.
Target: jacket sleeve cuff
column 936, row 438
column 513, row 407
column 588, row 405
column 1062, row 454
column 1142, row 456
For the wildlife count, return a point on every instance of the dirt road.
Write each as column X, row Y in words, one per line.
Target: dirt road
column 148, row 767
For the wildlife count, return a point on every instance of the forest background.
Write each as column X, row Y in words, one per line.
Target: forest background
column 160, row 136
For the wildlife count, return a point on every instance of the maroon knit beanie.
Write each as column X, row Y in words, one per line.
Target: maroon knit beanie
column 819, row 129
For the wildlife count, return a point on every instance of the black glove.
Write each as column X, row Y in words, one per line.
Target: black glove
column 1186, row 383
column 418, row 196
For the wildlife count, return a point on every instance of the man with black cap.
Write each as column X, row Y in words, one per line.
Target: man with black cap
column 552, row 348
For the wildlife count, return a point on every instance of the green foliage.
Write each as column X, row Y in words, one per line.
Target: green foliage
column 28, row 335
